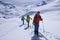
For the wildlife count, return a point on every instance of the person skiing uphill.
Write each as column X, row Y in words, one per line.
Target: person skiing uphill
column 28, row 18
column 23, row 20
column 36, row 20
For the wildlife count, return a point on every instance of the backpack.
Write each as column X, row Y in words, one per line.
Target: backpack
column 22, row 18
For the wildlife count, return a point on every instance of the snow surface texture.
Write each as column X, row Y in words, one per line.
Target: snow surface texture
column 8, row 10
column 25, row 2
column 10, row 30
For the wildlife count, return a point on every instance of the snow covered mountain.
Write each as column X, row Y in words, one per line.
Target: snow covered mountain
column 7, row 10
column 53, row 6
column 26, row 2
column 10, row 30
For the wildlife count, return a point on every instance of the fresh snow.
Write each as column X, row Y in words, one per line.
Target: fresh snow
column 10, row 30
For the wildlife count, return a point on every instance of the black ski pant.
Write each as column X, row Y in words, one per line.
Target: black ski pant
column 28, row 23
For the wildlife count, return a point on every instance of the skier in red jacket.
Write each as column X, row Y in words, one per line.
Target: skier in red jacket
column 36, row 20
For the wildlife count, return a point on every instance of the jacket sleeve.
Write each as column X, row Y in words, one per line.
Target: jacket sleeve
column 40, row 18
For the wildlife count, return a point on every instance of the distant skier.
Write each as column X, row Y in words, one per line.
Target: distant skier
column 28, row 18
column 36, row 20
column 22, row 20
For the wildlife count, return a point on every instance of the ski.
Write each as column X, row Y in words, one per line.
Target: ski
column 21, row 25
column 41, row 35
column 26, row 28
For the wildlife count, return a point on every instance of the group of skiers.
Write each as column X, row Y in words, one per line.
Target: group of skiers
column 37, row 18
column 28, row 18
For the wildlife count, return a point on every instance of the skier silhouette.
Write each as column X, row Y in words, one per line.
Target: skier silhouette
column 28, row 18
column 36, row 20
column 22, row 20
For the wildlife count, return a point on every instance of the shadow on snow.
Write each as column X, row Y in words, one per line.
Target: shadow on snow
column 35, row 38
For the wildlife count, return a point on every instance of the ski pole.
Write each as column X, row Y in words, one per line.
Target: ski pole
column 43, row 27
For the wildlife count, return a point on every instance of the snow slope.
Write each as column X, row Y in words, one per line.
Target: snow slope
column 8, row 10
column 10, row 30
column 25, row 2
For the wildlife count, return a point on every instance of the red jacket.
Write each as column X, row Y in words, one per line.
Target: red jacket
column 37, row 19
